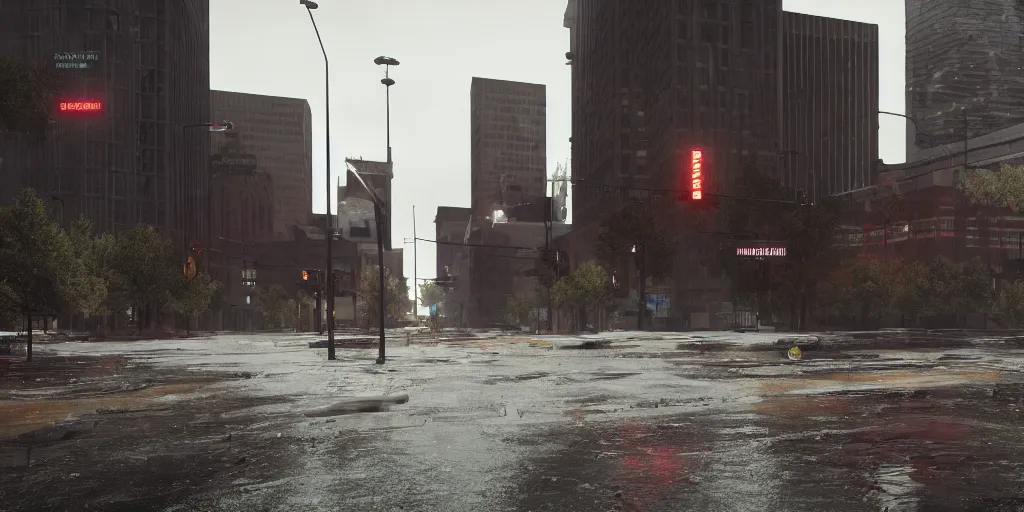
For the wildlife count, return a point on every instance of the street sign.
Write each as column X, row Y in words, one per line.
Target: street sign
column 761, row 249
column 190, row 268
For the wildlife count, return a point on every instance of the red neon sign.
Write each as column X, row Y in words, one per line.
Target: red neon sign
column 81, row 106
column 697, row 174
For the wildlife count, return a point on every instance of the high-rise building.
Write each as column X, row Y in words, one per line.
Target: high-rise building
column 829, row 104
column 964, row 69
column 276, row 134
column 508, row 143
column 652, row 79
column 135, row 74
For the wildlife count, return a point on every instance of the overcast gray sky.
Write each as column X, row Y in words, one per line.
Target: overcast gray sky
column 268, row 47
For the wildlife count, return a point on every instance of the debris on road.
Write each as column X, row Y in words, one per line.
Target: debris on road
column 357, row 405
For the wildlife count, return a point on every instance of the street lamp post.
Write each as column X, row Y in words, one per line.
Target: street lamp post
column 223, row 126
column 329, row 231
column 387, row 62
column 380, row 217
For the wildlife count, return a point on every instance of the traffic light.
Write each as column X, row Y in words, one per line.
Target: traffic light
column 445, row 280
column 305, row 275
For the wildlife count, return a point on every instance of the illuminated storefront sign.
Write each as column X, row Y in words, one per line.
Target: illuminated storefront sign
column 75, row 60
column 81, row 106
column 697, row 174
column 761, row 252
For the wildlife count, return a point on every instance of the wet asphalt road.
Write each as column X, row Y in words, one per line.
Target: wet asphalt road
column 220, row 424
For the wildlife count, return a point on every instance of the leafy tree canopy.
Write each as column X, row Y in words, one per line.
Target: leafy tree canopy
column 27, row 95
column 431, row 294
column 1004, row 188
column 278, row 307
column 195, row 295
column 630, row 227
column 396, row 297
column 37, row 262
column 873, row 288
column 1011, row 303
column 588, row 286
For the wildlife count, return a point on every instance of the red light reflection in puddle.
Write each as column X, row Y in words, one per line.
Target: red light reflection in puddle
column 649, row 470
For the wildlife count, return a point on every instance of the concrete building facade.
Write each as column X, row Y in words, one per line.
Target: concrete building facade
column 450, row 225
column 963, row 69
column 508, row 123
column 829, row 78
column 653, row 79
column 278, row 133
column 145, row 65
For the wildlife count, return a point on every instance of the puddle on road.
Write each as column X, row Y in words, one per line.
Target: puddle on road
column 18, row 417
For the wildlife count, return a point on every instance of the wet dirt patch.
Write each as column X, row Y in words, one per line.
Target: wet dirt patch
column 20, row 416
column 893, row 378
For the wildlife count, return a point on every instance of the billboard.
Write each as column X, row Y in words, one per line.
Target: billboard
column 233, row 163
column 767, row 251
column 75, row 60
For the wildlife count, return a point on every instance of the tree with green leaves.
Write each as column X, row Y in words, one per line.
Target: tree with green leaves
column 27, row 95
column 865, row 287
column 1001, row 188
column 39, row 268
column 143, row 273
column 635, row 225
column 90, row 296
column 431, row 294
column 764, row 209
column 1011, row 303
column 518, row 308
column 194, row 297
column 587, row 289
column 396, row 298
column 277, row 306
column 916, row 294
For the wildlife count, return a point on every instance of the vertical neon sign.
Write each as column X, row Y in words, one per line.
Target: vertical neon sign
column 697, row 174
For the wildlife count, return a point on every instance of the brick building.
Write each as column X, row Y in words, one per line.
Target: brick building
column 917, row 212
column 147, row 64
column 278, row 134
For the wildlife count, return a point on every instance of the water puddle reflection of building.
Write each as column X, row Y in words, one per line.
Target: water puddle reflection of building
column 896, row 488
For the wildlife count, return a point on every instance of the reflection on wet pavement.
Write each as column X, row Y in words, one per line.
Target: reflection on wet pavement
column 221, row 425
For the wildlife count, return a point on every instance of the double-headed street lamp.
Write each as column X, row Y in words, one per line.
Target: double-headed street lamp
column 387, row 62
column 329, row 231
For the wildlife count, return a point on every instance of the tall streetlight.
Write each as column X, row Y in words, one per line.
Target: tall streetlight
column 379, row 217
column 212, row 127
column 329, row 232
column 387, row 62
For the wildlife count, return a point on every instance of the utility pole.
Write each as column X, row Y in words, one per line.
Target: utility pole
column 415, row 279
